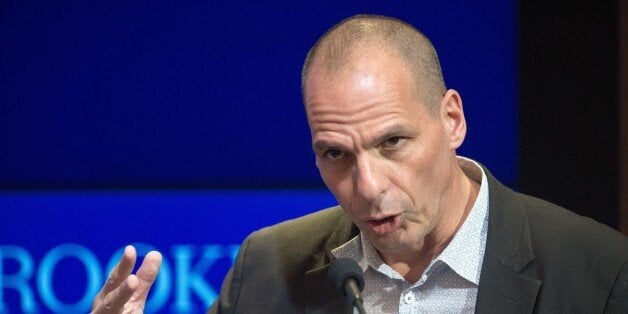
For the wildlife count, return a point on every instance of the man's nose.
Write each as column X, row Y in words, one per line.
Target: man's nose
column 369, row 178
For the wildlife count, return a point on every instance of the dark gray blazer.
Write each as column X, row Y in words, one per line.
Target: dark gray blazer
column 539, row 258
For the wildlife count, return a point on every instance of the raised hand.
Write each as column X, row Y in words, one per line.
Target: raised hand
column 124, row 292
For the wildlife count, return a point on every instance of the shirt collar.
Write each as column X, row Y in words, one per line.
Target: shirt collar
column 463, row 254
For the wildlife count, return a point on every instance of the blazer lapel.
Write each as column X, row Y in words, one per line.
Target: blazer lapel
column 504, row 288
column 504, row 291
column 319, row 296
column 315, row 291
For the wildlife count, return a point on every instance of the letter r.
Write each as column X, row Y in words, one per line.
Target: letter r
column 18, row 280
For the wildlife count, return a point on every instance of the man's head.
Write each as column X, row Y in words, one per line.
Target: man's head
column 384, row 130
column 360, row 35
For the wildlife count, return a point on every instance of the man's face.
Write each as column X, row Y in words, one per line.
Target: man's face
column 380, row 151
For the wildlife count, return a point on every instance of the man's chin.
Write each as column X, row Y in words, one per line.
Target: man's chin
column 388, row 242
column 397, row 241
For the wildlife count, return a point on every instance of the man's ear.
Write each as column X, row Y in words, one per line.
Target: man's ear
column 452, row 118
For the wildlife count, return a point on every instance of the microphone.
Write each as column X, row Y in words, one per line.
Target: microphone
column 347, row 277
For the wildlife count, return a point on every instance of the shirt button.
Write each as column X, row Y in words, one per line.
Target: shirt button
column 409, row 298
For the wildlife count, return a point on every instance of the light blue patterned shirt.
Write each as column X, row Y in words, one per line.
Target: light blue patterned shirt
column 449, row 283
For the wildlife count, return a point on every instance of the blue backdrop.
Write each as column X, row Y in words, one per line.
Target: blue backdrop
column 180, row 126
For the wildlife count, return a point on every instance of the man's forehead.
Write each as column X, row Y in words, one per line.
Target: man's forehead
column 354, row 56
column 361, row 68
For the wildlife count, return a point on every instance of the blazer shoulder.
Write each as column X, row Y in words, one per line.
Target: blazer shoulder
column 272, row 262
column 320, row 222
column 570, row 250
column 305, row 231
column 552, row 223
column 301, row 243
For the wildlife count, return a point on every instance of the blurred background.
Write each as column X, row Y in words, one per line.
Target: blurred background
column 180, row 127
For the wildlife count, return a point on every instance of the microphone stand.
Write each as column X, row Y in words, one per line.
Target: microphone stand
column 357, row 303
column 353, row 291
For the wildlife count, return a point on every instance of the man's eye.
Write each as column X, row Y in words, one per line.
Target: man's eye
column 393, row 141
column 334, row 154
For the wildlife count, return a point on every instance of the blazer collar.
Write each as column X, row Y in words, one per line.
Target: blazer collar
column 315, row 292
column 503, row 287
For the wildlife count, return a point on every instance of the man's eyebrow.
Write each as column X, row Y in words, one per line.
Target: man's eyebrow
column 395, row 130
column 323, row 145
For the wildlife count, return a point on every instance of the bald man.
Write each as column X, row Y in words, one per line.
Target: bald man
column 432, row 231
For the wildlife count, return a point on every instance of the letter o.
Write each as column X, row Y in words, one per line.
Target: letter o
column 46, row 268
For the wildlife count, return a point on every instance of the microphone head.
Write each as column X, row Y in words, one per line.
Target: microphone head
column 342, row 269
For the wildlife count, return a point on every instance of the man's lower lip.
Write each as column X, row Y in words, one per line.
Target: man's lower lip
column 385, row 225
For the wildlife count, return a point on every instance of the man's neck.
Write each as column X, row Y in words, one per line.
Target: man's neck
column 412, row 263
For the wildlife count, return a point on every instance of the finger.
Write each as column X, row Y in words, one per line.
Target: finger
column 114, row 301
column 147, row 274
column 120, row 272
